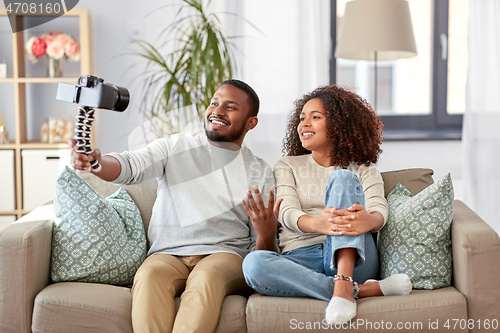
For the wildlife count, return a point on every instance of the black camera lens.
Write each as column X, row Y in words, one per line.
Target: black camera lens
column 122, row 99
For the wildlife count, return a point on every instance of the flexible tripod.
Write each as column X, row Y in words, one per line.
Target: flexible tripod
column 83, row 129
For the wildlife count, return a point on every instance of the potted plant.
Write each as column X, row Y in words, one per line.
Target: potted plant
column 178, row 87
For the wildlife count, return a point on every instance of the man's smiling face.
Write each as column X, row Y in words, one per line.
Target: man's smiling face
column 226, row 118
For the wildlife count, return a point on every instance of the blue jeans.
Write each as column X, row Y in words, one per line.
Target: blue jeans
column 309, row 271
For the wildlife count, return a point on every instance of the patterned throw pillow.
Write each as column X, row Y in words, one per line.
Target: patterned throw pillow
column 95, row 239
column 416, row 239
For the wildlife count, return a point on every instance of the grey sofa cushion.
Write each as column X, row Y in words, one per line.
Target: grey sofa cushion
column 292, row 314
column 92, row 307
column 83, row 307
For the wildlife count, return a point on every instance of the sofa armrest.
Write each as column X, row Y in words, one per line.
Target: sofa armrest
column 24, row 271
column 476, row 249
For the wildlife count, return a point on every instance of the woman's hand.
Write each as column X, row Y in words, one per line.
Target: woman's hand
column 322, row 224
column 355, row 221
column 264, row 218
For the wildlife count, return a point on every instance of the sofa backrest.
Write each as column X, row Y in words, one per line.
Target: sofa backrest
column 144, row 195
column 415, row 180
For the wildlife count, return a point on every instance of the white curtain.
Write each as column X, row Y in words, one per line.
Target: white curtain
column 481, row 127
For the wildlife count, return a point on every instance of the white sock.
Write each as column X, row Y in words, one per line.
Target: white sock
column 340, row 310
column 397, row 284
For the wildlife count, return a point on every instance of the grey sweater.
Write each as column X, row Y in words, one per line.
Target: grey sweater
column 198, row 208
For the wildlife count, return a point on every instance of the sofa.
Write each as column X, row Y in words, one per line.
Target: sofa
column 31, row 302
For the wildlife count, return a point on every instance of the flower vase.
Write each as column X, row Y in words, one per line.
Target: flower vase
column 54, row 69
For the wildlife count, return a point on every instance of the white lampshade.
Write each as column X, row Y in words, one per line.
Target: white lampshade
column 376, row 30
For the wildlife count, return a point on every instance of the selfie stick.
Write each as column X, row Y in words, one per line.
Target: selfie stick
column 83, row 124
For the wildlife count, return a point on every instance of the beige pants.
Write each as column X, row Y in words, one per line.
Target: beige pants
column 202, row 281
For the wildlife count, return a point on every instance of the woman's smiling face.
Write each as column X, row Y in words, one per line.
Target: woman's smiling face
column 312, row 127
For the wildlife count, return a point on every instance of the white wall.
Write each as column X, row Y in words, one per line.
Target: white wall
column 441, row 156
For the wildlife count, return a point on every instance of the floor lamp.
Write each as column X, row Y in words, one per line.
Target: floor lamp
column 376, row 30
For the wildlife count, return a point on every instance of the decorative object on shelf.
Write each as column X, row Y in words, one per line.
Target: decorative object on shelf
column 4, row 137
column 56, row 131
column 54, row 69
column 56, row 45
column 3, row 69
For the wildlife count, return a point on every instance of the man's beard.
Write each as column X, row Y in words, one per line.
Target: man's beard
column 231, row 137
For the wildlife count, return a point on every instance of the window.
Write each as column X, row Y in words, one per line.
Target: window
column 422, row 97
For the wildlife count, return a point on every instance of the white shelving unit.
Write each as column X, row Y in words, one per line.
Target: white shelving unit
column 22, row 82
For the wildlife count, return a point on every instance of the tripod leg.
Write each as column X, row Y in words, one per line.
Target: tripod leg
column 83, row 130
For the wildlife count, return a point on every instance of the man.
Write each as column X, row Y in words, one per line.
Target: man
column 199, row 230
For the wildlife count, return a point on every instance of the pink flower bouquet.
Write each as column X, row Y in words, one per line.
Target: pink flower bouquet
column 55, row 44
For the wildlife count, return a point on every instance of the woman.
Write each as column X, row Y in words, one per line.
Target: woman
column 332, row 200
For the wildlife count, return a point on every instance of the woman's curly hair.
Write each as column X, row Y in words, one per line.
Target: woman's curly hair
column 353, row 127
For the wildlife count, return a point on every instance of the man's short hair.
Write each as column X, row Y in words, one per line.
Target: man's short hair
column 253, row 99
